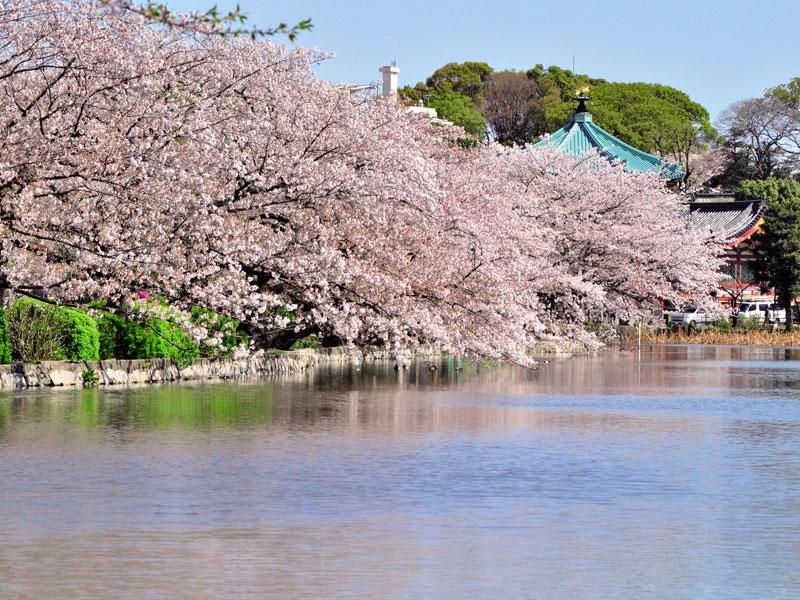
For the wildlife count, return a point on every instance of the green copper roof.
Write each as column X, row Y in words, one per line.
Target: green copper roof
column 581, row 135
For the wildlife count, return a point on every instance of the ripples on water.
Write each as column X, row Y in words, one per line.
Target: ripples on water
column 673, row 476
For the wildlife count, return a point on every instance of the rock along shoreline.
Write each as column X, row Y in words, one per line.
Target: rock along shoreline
column 57, row 373
column 21, row 375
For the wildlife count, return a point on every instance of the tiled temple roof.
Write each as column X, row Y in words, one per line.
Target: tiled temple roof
column 724, row 219
column 581, row 135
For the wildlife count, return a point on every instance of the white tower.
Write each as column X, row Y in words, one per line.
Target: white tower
column 390, row 80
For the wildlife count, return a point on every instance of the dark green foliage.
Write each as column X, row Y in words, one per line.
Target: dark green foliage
column 310, row 341
column 412, row 95
column 112, row 329
column 777, row 246
column 557, row 86
column 772, row 190
column 787, row 93
column 5, row 344
column 464, row 78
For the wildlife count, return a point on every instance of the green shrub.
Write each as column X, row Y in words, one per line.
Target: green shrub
column 34, row 331
column 159, row 338
column 112, row 330
column 722, row 324
column 40, row 331
column 310, row 341
column 5, row 344
column 90, row 378
column 156, row 338
column 749, row 323
column 81, row 335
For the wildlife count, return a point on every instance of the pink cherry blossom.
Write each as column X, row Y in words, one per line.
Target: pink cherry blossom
column 224, row 174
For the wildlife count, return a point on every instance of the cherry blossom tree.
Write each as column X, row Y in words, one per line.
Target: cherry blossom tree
column 707, row 167
column 222, row 173
column 621, row 240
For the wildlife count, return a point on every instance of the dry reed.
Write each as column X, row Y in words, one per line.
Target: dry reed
column 760, row 337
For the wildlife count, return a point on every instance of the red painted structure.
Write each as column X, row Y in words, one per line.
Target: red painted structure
column 731, row 222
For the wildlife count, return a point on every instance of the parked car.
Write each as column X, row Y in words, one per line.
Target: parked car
column 762, row 311
column 690, row 316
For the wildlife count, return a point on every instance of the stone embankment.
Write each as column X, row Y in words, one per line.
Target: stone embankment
column 561, row 348
column 160, row 370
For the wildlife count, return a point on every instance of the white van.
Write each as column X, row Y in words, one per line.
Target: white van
column 690, row 316
column 763, row 311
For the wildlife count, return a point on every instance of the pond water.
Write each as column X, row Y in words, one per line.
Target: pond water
column 673, row 475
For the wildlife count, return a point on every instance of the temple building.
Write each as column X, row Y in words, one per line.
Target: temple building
column 721, row 217
column 732, row 223
column 582, row 135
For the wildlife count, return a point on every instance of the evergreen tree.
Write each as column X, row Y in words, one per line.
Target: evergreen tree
column 652, row 117
column 777, row 245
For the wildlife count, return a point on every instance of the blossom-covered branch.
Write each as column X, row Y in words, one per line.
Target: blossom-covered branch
column 231, row 23
column 221, row 173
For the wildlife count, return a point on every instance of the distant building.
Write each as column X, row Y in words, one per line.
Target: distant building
column 582, row 135
column 732, row 223
column 390, row 74
column 389, row 91
column 719, row 216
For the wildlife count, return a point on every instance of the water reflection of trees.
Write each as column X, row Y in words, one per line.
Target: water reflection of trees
column 146, row 408
column 427, row 396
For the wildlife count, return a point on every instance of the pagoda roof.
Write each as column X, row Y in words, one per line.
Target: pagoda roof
column 724, row 219
column 581, row 135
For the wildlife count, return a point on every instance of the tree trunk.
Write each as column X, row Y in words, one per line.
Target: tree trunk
column 786, row 301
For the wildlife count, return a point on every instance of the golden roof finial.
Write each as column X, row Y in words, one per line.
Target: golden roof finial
column 581, row 96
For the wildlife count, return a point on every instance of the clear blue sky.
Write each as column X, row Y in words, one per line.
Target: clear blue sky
column 718, row 51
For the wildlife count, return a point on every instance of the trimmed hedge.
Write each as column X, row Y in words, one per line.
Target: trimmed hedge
column 153, row 338
column 112, row 336
column 310, row 341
